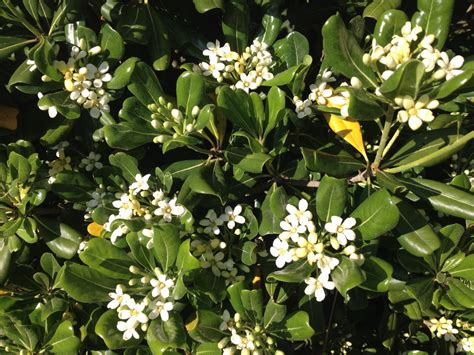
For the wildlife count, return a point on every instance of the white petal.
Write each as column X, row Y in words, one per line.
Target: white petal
column 303, row 205
column 331, row 227
column 414, row 123
column 336, row 220
column 456, row 62
column 104, row 67
column 320, row 295
column 426, row 115
column 349, row 222
column 349, row 234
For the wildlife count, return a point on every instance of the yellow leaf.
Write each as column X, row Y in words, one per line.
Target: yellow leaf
column 348, row 129
column 8, row 117
column 94, row 229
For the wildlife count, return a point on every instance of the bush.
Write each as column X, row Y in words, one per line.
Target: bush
column 189, row 177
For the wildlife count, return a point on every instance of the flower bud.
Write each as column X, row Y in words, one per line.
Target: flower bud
column 82, row 43
column 177, row 115
column 134, row 269
column 349, row 250
column 195, row 111
column 167, row 124
column 189, row 127
column 45, row 78
column 334, row 243
column 223, row 343
column 356, row 83
column 95, row 50
column 155, row 124
column 152, row 107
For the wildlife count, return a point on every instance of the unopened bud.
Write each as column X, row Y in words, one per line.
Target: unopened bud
column 223, row 343
column 366, row 58
column 134, row 269
column 162, row 100
column 175, row 135
column 356, row 83
column 45, row 78
column 177, row 115
column 189, row 127
column 155, row 124
column 95, row 50
column 349, row 250
column 334, row 243
column 82, row 43
column 195, row 111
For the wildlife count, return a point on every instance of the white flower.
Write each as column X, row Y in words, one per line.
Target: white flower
column 118, row 232
column 99, row 75
column 125, row 206
column 160, row 307
column 442, row 328
column 320, row 93
column 214, row 261
column 247, row 82
column 466, row 344
column 161, row 285
column 316, row 286
column 211, row 223
column 281, row 252
column 149, row 234
column 326, row 263
column 300, row 213
column 214, row 68
column 232, row 216
column 448, row 68
column 226, row 320
column 118, row 298
column 416, row 112
column 409, row 33
column 91, row 162
column 291, row 229
column 128, row 329
column 302, row 108
column 341, row 228
column 140, row 184
column 168, row 209
column 133, row 313
column 157, row 197
column 213, row 49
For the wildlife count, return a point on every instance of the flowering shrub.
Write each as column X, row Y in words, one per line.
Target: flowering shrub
column 236, row 177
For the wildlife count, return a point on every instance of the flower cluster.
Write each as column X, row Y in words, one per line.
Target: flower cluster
column 245, row 337
column 85, row 81
column 211, row 245
column 139, row 202
column 459, row 331
column 244, row 71
column 170, row 122
column 157, row 301
column 62, row 163
column 299, row 241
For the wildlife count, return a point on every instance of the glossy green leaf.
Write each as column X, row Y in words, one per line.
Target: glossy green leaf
column 235, row 106
column 127, row 164
column 271, row 23
column 159, row 44
column 378, row 7
column 347, row 275
column 378, row 274
column 73, row 186
column 106, row 328
column 376, row 215
column 246, row 160
column 62, row 239
column 331, row 197
column 465, row 269
column 361, row 106
column 44, row 57
column 85, row 284
column 64, row 341
column 235, row 24
column 456, row 83
column 389, row 24
column 295, row 272
column 166, row 243
column 406, row 80
column 294, row 327
column 206, row 5
column 422, row 290
column 205, row 327
column 185, row 261
column 292, row 49
column 435, row 18
column 144, row 84
column 123, row 74
column 9, row 45
column 111, row 43
column 132, row 24
column 451, row 235
column 102, row 256
column 171, row 332
column 274, row 313
column 461, row 292
column 274, row 109
column 333, row 162
column 252, row 300
column 189, row 91
column 64, row 105
column 19, row 166
column 273, row 210
column 343, row 53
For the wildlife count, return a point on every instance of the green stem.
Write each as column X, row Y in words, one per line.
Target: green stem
column 384, row 139
column 393, row 139
column 22, row 19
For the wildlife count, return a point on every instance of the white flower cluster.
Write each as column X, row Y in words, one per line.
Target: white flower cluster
column 86, row 81
column 407, row 46
column 299, row 241
column 244, row 337
column 91, row 162
column 158, row 302
column 324, row 94
column 138, row 202
column 415, row 112
column 213, row 252
column 62, row 163
column 244, row 71
column 457, row 331
column 171, row 122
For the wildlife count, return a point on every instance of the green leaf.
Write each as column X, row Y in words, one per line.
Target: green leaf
column 85, row 284
column 111, row 43
column 451, row 236
column 106, row 328
column 294, row 327
column 235, row 24
column 461, row 293
column 343, row 53
column 388, row 25
column 378, row 274
column 19, row 166
column 205, row 327
column 378, row 7
column 244, row 159
column 421, row 289
column 435, row 18
column 295, row 272
column 376, row 215
column 347, row 275
column 102, row 256
column 235, row 299
column 64, row 341
column 273, row 210
column 252, row 300
column 331, row 197
column 456, row 83
column 127, row 164
column 28, row 230
column 127, row 135
column 292, row 49
column 249, row 253
column 190, row 90
column 5, row 259
column 123, row 74
column 274, row 313
column 274, row 109
column 44, row 57
column 159, row 43
column 62, row 239
column 415, row 234
column 145, row 85
column 166, row 243
column 185, row 261
column 9, row 45
column 64, row 105
column 209, row 180
column 442, row 197
column 171, row 333
column 49, row 264
column 203, row 6
column 235, row 106
column 362, row 107
column 73, row 186
column 207, row 349
column 334, row 162
column 132, row 24
column 271, row 23
column 406, row 80
column 465, row 269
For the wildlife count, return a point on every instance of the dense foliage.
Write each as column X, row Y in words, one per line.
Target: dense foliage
column 236, row 177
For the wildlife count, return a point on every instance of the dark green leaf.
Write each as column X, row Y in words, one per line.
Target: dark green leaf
column 331, row 197
column 292, row 49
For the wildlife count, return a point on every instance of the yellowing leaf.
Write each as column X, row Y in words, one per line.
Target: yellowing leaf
column 8, row 117
column 348, row 129
column 94, row 229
